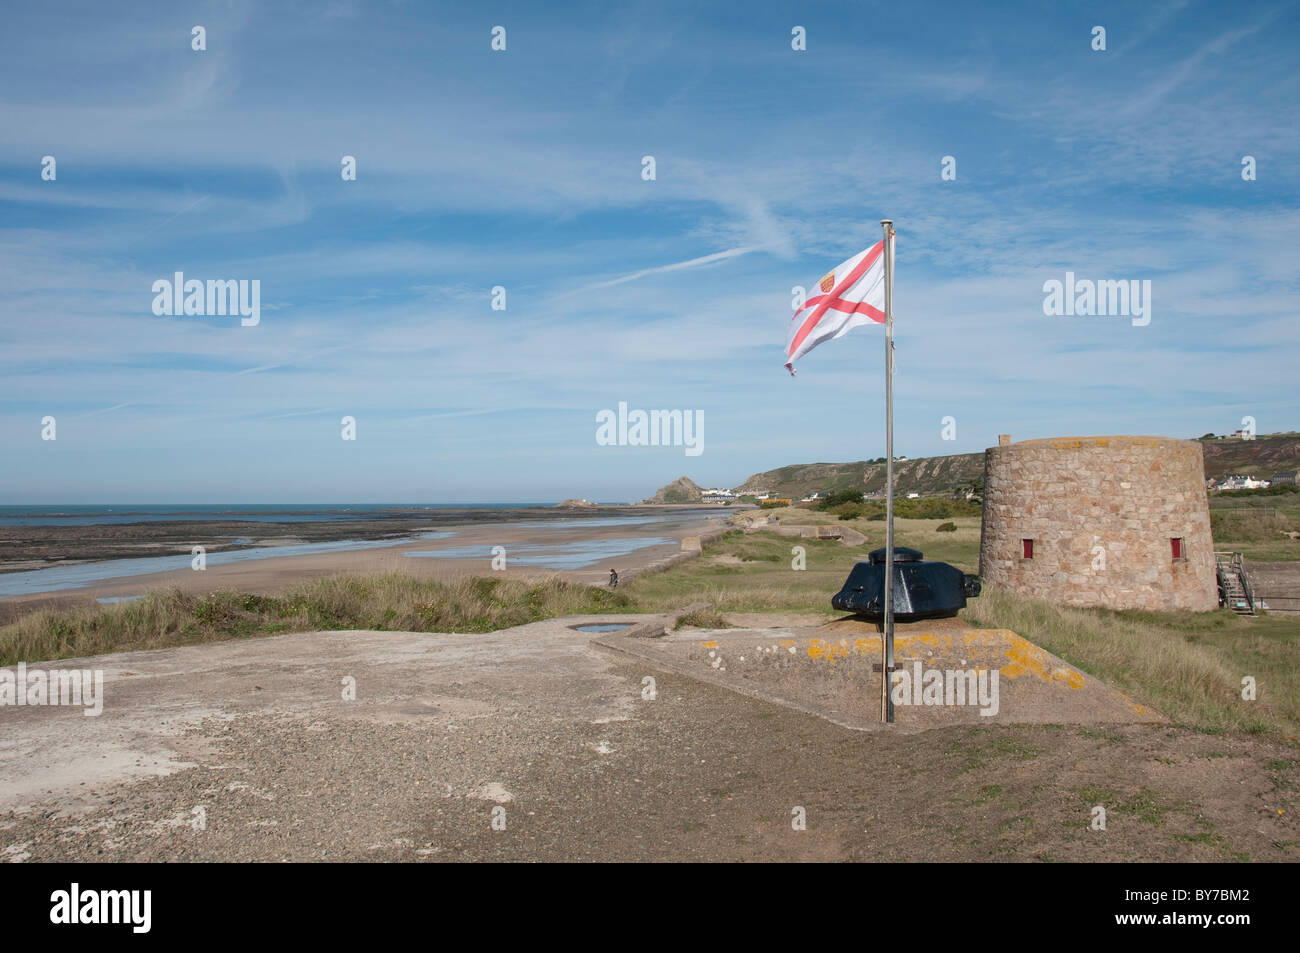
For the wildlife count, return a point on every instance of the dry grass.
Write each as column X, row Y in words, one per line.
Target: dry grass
column 392, row 601
column 709, row 618
column 1259, row 531
column 1188, row 665
column 750, row 573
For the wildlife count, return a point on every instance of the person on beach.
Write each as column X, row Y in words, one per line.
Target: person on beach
column 613, row 579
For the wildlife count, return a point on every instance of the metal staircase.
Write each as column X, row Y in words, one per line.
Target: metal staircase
column 1234, row 584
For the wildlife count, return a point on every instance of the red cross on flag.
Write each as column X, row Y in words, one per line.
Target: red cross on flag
column 851, row 295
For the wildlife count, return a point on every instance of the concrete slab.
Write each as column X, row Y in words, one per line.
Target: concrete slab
column 953, row 674
column 155, row 702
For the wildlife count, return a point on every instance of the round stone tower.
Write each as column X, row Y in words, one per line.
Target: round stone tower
column 1120, row 522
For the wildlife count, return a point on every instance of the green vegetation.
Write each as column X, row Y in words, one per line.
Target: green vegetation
column 925, row 475
column 1256, row 522
column 1282, row 489
column 750, row 573
column 392, row 601
column 957, row 473
column 1187, row 665
column 833, row 500
column 923, row 508
column 961, row 547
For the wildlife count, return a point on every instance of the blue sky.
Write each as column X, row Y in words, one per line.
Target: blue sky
column 522, row 169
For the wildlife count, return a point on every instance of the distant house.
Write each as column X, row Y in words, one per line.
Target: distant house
column 810, row 497
column 1242, row 483
column 1286, row 478
column 914, row 496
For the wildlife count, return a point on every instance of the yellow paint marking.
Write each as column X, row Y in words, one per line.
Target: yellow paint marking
column 1027, row 658
column 828, row 651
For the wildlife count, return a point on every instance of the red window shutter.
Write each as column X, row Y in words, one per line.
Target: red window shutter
column 1027, row 549
column 1176, row 545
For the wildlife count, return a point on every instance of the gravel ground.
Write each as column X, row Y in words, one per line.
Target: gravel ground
column 531, row 745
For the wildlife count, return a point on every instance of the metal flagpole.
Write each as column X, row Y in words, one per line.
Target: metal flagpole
column 886, row 699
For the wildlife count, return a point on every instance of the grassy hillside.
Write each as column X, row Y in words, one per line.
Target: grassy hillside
column 929, row 476
column 1260, row 458
column 941, row 476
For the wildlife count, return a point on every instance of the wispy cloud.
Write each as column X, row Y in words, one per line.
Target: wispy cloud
column 699, row 262
column 96, row 413
column 522, row 170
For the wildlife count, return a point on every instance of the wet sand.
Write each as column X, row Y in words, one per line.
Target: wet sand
column 26, row 548
column 526, row 534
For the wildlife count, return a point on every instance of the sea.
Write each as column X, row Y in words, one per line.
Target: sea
column 563, row 554
column 100, row 514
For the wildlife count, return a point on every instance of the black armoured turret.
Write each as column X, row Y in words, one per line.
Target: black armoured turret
column 922, row 589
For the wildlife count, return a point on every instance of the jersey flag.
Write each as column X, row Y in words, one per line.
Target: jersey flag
column 851, row 295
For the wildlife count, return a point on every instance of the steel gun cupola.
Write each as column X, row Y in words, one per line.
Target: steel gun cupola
column 922, row 589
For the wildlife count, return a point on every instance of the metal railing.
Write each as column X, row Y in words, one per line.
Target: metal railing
column 1233, row 565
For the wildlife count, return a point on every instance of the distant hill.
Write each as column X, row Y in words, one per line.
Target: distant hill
column 681, row 490
column 929, row 476
column 942, row 476
column 1259, row 458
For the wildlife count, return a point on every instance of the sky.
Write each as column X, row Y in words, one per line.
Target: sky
column 523, row 169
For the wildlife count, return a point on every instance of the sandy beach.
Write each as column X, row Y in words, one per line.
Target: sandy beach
column 578, row 544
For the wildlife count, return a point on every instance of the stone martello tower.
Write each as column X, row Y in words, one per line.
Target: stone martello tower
column 1120, row 522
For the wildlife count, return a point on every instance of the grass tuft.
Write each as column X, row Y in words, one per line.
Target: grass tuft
column 390, row 601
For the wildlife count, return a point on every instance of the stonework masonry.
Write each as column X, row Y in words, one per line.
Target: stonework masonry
column 1101, row 515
